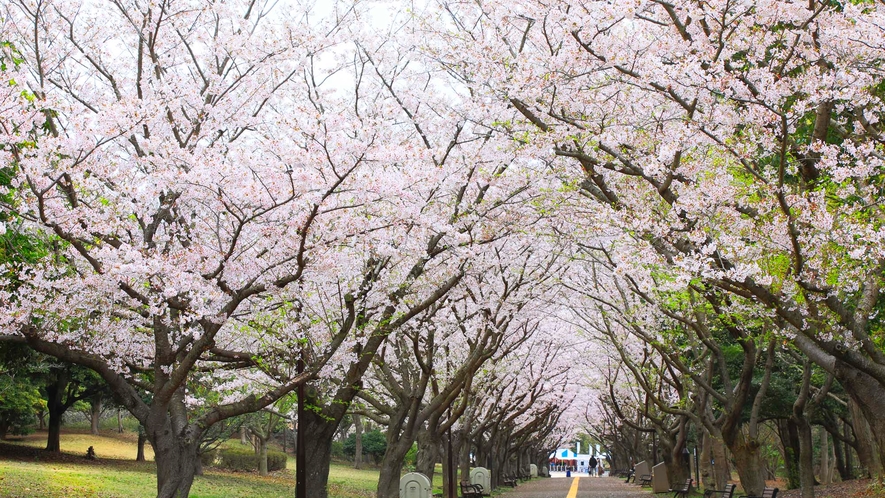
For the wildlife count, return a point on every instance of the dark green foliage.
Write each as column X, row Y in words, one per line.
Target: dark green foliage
column 242, row 459
column 20, row 398
column 374, row 445
column 19, row 402
column 338, row 449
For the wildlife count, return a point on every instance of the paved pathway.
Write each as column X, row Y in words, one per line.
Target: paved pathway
column 578, row 487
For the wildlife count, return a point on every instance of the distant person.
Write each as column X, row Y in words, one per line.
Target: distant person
column 592, row 465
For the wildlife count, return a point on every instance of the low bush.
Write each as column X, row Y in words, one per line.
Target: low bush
column 245, row 459
column 208, row 457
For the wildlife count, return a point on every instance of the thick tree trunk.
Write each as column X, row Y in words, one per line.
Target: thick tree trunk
column 56, row 408
column 318, row 435
column 721, row 473
column 868, row 396
column 806, row 456
column 677, row 469
column 53, row 440
column 748, row 460
column 428, row 452
column 866, row 447
column 95, row 413
column 706, row 467
column 464, row 456
column 176, row 456
column 391, row 467
column 4, row 428
column 244, row 435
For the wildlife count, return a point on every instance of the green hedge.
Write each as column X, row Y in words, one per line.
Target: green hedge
column 245, row 459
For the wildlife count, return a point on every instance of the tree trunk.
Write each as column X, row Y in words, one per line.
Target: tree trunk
column 175, row 454
column 869, row 399
column 706, row 467
column 839, row 455
column 142, row 437
column 464, row 456
column 392, row 466
column 56, row 408
column 806, row 455
column 4, row 428
column 824, row 457
column 358, row 436
column 262, row 455
column 120, row 421
column 866, row 447
column 678, row 469
column 53, row 440
column 748, row 460
column 428, row 452
column 243, row 436
column 318, row 435
column 95, row 413
column 721, row 474
column 447, row 470
column 789, row 436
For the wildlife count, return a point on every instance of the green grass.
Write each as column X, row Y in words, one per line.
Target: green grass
column 108, row 445
column 130, row 480
column 117, row 475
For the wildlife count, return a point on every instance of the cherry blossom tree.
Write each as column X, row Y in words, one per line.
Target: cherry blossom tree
column 413, row 389
column 740, row 140
column 195, row 167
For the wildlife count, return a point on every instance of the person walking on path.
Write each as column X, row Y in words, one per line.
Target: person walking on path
column 592, row 465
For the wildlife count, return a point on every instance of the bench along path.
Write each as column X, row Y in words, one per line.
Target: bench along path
column 578, row 487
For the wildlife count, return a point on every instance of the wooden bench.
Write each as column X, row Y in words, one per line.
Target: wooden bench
column 728, row 492
column 644, row 480
column 471, row 490
column 631, row 474
column 509, row 481
column 686, row 487
column 766, row 493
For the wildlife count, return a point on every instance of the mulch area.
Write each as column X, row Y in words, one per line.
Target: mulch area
column 857, row 488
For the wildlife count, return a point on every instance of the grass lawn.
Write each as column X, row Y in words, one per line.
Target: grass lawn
column 117, row 475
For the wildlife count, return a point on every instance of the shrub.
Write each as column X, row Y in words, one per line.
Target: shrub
column 338, row 449
column 374, row 445
column 208, row 458
column 245, row 460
